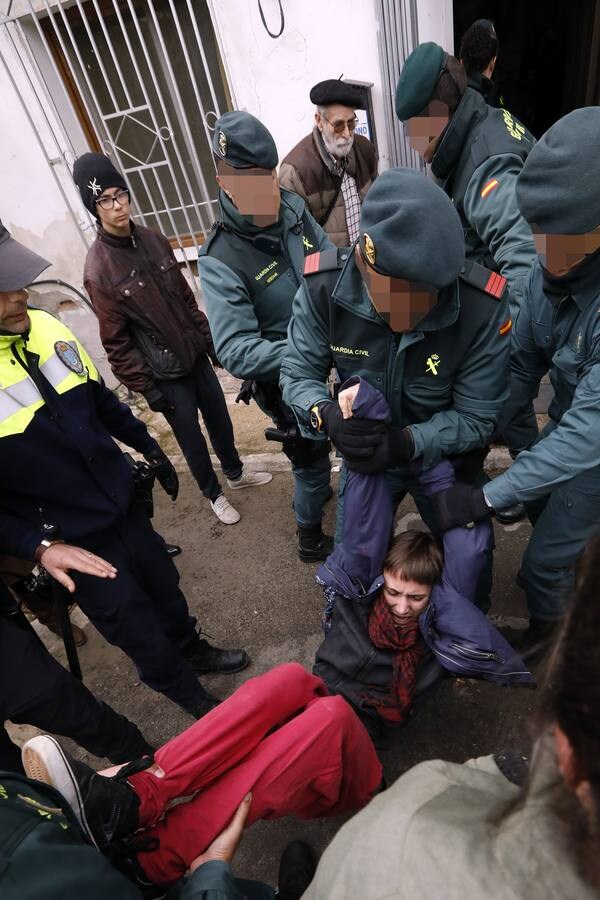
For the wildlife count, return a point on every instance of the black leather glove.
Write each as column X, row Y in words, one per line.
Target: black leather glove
column 356, row 439
column 164, row 470
column 157, row 401
column 396, row 448
column 460, row 505
column 245, row 395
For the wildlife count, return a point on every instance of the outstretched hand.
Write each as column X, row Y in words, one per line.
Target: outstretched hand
column 225, row 844
column 59, row 559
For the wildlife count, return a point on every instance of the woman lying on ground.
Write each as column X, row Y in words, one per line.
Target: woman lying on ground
column 465, row 831
column 279, row 736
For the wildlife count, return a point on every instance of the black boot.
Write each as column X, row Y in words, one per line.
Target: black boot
column 512, row 514
column 203, row 704
column 313, row 544
column 536, row 640
column 204, row 658
column 173, row 549
column 296, row 870
column 107, row 809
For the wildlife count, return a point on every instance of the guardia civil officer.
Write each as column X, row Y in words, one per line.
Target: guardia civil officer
column 558, row 328
column 250, row 268
column 408, row 314
column 476, row 152
column 63, row 478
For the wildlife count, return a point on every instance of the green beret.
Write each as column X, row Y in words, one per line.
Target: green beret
column 244, row 142
column 558, row 188
column 418, row 79
column 409, row 229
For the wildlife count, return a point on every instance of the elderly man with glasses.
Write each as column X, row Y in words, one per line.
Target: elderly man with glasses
column 333, row 168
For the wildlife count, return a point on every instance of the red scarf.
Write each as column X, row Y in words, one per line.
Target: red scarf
column 405, row 641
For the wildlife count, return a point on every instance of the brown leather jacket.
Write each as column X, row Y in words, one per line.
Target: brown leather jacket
column 310, row 171
column 150, row 324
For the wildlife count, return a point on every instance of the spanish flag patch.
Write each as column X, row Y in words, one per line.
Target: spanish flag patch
column 489, row 187
column 506, row 327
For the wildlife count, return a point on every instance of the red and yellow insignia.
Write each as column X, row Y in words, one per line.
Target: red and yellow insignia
column 489, row 187
column 495, row 285
column 506, row 327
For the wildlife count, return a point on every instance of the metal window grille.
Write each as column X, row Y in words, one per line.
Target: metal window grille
column 397, row 38
column 146, row 82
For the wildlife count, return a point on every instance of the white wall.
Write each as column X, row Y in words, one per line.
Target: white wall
column 434, row 23
column 33, row 207
column 272, row 78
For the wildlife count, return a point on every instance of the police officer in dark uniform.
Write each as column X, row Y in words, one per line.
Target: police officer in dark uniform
column 405, row 312
column 250, row 268
column 36, row 690
column 63, row 478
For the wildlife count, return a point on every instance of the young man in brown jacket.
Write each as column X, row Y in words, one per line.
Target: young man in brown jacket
column 157, row 340
column 332, row 168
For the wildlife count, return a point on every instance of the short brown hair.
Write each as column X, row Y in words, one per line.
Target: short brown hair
column 416, row 556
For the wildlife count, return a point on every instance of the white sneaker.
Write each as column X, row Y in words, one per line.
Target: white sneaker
column 250, row 479
column 224, row 511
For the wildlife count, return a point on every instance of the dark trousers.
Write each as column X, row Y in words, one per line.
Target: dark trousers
column 202, row 391
column 36, row 690
column 142, row 610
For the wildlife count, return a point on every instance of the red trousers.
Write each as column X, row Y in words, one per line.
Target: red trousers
column 300, row 752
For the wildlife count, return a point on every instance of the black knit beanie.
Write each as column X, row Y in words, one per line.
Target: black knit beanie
column 93, row 173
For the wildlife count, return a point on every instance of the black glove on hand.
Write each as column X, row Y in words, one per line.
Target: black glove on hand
column 157, row 401
column 396, row 448
column 356, row 439
column 165, row 472
column 245, row 395
column 460, row 505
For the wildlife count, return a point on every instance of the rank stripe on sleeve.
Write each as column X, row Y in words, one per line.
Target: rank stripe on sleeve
column 489, row 187
column 495, row 285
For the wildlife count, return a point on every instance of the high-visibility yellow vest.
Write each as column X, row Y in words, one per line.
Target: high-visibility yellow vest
column 19, row 395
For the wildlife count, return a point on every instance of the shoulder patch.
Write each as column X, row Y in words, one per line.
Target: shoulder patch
column 478, row 276
column 324, row 261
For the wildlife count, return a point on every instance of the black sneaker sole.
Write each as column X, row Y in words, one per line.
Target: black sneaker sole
column 44, row 760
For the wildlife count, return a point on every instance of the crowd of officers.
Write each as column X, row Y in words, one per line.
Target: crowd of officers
column 453, row 294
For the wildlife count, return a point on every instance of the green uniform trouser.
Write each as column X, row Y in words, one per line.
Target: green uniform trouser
column 402, row 483
column 311, row 481
column 563, row 521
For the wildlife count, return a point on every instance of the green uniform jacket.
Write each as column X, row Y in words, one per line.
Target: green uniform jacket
column 449, row 832
column 249, row 293
column 561, row 334
column 479, row 159
column 43, row 854
column 448, row 379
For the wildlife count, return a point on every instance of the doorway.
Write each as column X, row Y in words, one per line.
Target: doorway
column 548, row 58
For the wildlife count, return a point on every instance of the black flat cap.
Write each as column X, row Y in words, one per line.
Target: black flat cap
column 334, row 90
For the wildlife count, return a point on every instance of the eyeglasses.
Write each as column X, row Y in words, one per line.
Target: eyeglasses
column 340, row 125
column 109, row 202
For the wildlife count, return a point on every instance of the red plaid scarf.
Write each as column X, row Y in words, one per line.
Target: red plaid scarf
column 406, row 641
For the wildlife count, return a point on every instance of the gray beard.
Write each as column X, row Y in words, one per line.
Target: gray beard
column 332, row 146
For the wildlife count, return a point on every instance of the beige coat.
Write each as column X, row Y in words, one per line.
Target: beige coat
column 438, row 834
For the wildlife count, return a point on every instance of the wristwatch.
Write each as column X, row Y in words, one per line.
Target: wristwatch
column 316, row 420
column 44, row 545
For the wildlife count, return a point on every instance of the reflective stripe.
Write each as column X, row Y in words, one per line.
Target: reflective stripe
column 17, row 397
column 54, row 370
